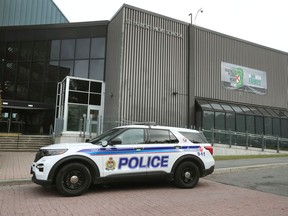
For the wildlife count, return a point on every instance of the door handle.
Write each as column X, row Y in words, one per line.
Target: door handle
column 177, row 147
column 138, row 148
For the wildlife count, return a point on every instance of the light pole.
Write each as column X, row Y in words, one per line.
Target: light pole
column 190, row 17
column 200, row 10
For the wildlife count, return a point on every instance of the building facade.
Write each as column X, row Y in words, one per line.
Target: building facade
column 139, row 67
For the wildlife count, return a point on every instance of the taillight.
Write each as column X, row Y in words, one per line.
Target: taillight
column 209, row 148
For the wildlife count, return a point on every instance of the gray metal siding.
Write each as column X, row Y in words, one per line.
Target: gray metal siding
column 29, row 12
column 211, row 48
column 113, row 71
column 154, row 66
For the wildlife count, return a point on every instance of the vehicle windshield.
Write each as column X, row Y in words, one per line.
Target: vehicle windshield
column 105, row 136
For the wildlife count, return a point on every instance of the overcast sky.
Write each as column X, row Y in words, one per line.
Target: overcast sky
column 263, row 22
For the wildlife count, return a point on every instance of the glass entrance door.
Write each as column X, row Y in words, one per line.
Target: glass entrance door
column 93, row 121
column 11, row 121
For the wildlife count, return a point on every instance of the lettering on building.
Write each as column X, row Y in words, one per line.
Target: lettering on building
column 154, row 28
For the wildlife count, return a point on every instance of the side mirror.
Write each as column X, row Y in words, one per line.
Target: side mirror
column 104, row 143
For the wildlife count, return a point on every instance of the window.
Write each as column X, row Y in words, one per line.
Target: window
column 240, row 123
column 230, row 121
column 194, row 137
column 208, row 120
column 250, row 125
column 161, row 136
column 220, row 120
column 75, row 116
column 130, row 136
column 67, row 49
column 98, row 48
column 268, row 125
column 82, row 48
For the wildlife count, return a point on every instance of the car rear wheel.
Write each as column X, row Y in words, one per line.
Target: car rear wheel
column 186, row 175
column 73, row 179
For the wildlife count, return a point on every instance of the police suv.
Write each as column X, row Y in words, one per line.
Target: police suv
column 125, row 153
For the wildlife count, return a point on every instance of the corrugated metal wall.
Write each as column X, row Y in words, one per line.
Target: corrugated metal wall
column 211, row 48
column 113, row 71
column 153, row 66
column 29, row 12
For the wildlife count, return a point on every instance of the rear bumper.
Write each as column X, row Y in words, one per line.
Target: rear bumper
column 208, row 171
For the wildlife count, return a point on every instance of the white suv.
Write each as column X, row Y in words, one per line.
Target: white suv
column 125, row 153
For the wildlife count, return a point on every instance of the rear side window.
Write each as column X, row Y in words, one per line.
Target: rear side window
column 161, row 136
column 194, row 137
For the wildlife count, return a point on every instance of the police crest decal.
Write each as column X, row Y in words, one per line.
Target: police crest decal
column 110, row 164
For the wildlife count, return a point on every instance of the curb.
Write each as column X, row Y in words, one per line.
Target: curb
column 236, row 169
column 15, row 182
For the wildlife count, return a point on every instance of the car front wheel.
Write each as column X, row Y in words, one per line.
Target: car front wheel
column 186, row 175
column 73, row 179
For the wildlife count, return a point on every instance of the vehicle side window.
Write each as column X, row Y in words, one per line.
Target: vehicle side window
column 194, row 137
column 161, row 136
column 130, row 136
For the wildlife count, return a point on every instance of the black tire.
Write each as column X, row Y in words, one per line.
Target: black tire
column 186, row 175
column 73, row 179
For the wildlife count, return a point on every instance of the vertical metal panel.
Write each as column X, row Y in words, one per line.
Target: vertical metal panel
column 212, row 48
column 29, row 12
column 113, row 71
column 154, row 66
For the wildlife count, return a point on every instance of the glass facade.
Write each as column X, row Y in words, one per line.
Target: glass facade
column 30, row 71
column 241, row 118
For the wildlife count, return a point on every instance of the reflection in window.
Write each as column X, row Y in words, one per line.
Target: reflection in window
column 131, row 136
column 96, row 87
column 284, row 128
column 220, row 120
column 79, row 85
column 276, row 127
column 81, row 68
column 26, row 51
column 12, row 51
column 67, row 49
column 259, row 125
column 250, row 124
column 55, row 50
column 78, row 97
column 96, row 70
column 22, row 91
column 268, row 125
column 37, row 70
column 40, row 50
column 67, row 67
column 82, row 48
column 240, row 123
column 98, row 48
column 95, row 99
column 230, row 121
column 35, row 91
column 75, row 116
column 208, row 120
column 23, row 72
column 161, row 136
column 10, row 72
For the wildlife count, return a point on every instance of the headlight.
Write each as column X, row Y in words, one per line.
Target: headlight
column 51, row 152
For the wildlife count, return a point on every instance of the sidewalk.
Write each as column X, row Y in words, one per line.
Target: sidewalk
column 15, row 166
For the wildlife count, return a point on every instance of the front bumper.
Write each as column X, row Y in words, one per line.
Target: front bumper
column 38, row 181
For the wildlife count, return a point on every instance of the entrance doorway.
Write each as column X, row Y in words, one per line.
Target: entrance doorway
column 26, row 121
